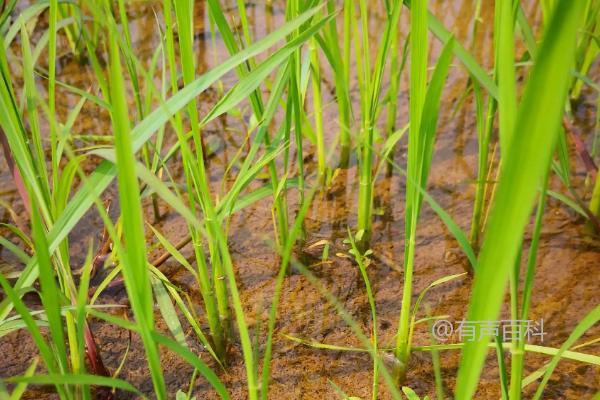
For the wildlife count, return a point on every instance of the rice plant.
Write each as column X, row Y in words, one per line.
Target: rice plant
column 215, row 146
column 555, row 58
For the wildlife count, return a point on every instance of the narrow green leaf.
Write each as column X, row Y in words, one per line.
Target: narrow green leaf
column 75, row 379
column 537, row 126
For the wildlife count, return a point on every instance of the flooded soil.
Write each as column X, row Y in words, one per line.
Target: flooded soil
column 567, row 274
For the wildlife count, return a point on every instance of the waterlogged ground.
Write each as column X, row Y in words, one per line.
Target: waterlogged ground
column 566, row 285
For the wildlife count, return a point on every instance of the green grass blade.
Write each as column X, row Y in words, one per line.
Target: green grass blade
column 588, row 321
column 15, row 250
column 537, row 126
column 133, row 251
column 438, row 29
column 50, row 293
column 75, row 379
column 424, row 107
column 505, row 55
column 168, row 311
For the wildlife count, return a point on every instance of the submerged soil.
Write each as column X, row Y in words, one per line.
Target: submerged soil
column 566, row 284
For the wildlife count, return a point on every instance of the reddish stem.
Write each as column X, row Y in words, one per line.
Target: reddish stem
column 14, row 171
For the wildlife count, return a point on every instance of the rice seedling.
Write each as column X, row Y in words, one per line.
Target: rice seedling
column 133, row 253
column 362, row 261
column 424, row 108
column 44, row 205
column 199, row 193
column 370, row 82
column 280, row 206
column 236, row 148
column 500, row 249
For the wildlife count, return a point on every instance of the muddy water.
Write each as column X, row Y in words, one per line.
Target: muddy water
column 567, row 270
